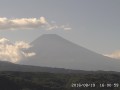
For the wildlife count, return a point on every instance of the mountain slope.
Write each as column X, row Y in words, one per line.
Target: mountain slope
column 8, row 66
column 54, row 51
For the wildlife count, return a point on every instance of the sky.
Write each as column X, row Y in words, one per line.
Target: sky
column 93, row 24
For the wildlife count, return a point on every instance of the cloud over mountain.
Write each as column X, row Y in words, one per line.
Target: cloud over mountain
column 29, row 23
column 115, row 54
column 13, row 52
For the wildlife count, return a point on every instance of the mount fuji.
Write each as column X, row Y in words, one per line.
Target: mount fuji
column 54, row 51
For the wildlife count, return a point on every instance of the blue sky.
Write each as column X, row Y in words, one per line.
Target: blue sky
column 95, row 23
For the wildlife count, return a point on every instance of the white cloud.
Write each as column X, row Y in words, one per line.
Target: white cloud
column 115, row 55
column 13, row 52
column 66, row 27
column 29, row 54
column 54, row 26
column 3, row 40
column 28, row 23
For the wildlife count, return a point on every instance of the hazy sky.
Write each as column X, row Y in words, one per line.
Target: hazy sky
column 95, row 23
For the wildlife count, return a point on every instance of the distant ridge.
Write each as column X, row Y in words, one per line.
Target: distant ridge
column 54, row 51
column 8, row 66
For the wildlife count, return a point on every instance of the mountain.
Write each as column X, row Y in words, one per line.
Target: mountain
column 8, row 66
column 54, row 51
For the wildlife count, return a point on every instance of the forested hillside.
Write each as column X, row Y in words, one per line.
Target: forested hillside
column 53, row 81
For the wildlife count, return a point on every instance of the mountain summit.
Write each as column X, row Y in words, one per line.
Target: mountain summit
column 54, row 51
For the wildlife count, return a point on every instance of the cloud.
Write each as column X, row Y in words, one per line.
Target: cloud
column 28, row 23
column 115, row 55
column 66, row 27
column 54, row 26
column 13, row 52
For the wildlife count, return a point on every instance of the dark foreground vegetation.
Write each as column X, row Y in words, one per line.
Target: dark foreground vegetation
column 59, row 81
